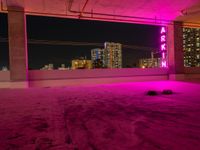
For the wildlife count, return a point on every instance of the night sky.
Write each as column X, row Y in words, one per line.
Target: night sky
column 4, row 54
column 59, row 29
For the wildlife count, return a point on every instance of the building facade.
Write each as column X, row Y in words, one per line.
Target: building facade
column 98, row 58
column 191, row 47
column 113, row 52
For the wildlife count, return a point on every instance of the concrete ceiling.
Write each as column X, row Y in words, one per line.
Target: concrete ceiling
column 153, row 11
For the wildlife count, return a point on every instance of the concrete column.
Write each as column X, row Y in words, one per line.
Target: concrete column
column 175, row 51
column 17, row 44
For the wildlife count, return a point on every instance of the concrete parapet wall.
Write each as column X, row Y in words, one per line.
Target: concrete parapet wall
column 94, row 73
column 94, row 81
column 4, row 76
column 192, row 70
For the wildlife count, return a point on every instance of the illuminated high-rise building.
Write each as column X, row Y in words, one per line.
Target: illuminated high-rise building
column 191, row 47
column 98, row 58
column 113, row 55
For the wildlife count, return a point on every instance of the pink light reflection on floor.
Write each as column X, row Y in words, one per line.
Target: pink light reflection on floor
column 102, row 117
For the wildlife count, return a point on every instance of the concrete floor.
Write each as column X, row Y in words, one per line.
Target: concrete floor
column 101, row 117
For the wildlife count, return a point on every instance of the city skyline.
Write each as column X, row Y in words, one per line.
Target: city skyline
column 108, row 57
column 58, row 29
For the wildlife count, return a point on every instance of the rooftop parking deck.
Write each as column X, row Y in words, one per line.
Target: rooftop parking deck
column 102, row 117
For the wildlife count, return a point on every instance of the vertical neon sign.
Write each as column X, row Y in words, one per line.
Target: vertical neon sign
column 163, row 40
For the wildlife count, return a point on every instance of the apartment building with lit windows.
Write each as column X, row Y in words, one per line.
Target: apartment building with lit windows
column 191, row 47
column 113, row 52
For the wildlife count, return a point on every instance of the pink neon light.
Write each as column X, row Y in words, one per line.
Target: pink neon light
column 163, row 47
column 164, row 64
column 163, row 30
column 163, row 55
column 163, row 38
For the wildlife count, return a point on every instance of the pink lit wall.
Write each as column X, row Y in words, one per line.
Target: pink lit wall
column 95, row 73
column 192, row 73
column 97, row 76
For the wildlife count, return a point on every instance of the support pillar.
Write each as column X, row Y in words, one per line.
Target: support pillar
column 175, row 51
column 17, row 44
